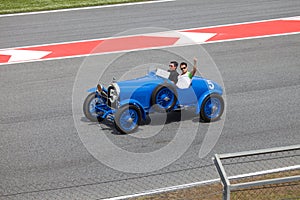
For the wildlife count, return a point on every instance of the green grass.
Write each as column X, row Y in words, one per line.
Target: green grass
column 18, row 6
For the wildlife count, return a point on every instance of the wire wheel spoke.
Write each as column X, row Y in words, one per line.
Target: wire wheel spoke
column 128, row 119
column 212, row 107
column 164, row 98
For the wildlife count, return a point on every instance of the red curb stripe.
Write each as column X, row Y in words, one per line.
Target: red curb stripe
column 251, row 29
column 126, row 43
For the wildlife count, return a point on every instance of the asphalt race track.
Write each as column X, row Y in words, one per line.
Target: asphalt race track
column 41, row 154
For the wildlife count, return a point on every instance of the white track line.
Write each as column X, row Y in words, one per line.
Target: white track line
column 86, row 8
column 189, row 185
column 166, row 189
column 248, row 22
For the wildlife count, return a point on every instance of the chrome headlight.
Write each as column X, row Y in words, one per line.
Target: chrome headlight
column 101, row 91
column 99, row 88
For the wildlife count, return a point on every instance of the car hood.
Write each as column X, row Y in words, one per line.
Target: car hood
column 149, row 79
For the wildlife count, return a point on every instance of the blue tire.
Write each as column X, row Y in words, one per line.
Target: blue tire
column 212, row 108
column 163, row 98
column 127, row 119
column 89, row 107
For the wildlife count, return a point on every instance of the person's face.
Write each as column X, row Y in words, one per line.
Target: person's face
column 183, row 68
column 172, row 67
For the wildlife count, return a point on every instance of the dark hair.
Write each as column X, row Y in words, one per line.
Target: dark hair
column 174, row 63
column 183, row 63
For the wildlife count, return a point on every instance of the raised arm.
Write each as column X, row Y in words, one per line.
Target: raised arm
column 193, row 72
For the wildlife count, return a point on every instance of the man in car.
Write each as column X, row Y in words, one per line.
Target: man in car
column 185, row 78
column 173, row 71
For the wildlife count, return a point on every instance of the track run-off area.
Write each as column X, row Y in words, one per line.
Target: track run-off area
column 221, row 33
column 255, row 47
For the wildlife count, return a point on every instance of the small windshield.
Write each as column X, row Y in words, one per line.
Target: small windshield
column 162, row 73
column 155, row 66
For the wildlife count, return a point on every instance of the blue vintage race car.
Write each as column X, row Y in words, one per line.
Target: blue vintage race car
column 127, row 103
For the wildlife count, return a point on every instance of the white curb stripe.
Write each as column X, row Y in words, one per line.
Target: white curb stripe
column 18, row 55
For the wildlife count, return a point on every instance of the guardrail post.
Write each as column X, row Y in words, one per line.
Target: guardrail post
column 225, row 180
column 223, row 176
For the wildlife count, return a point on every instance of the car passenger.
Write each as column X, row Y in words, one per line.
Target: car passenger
column 173, row 71
column 185, row 78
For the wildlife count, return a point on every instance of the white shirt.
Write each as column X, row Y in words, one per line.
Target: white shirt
column 184, row 80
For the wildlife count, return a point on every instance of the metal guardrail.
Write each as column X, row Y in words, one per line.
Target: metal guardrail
column 229, row 187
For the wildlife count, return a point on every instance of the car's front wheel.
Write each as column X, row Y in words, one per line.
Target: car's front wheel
column 127, row 118
column 212, row 108
column 89, row 107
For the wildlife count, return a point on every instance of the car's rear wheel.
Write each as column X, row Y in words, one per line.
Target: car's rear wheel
column 127, row 118
column 212, row 108
column 163, row 98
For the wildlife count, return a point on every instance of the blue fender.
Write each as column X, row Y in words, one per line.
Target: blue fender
column 204, row 95
column 94, row 89
column 136, row 103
